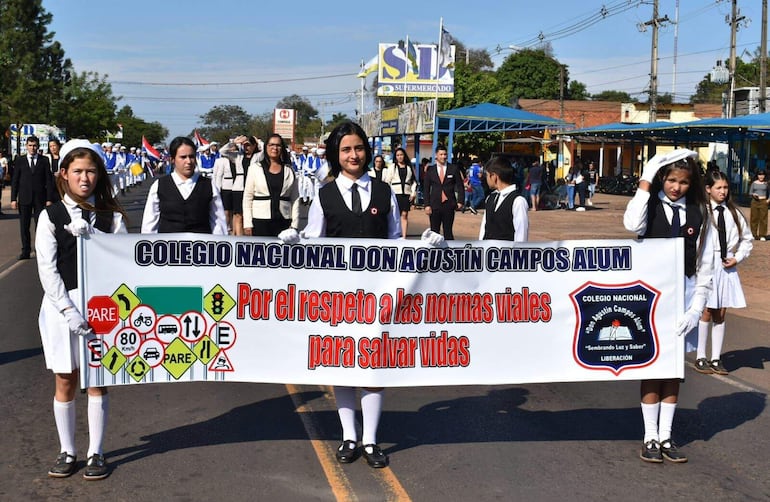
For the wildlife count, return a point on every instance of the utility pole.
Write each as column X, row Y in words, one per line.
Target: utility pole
column 655, row 22
column 763, row 62
column 735, row 19
column 560, row 155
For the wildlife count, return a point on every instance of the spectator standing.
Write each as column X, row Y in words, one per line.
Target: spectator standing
column 32, row 188
column 592, row 178
column 535, row 180
column 443, row 188
column 758, row 190
column 4, row 173
column 475, row 178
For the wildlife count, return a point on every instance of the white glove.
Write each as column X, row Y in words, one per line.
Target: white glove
column 79, row 226
column 289, row 236
column 653, row 165
column 688, row 322
column 434, row 239
column 77, row 324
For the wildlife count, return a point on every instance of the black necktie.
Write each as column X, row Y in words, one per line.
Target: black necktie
column 675, row 223
column 355, row 199
column 722, row 232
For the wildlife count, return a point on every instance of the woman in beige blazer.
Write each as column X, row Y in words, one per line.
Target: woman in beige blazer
column 271, row 195
column 400, row 177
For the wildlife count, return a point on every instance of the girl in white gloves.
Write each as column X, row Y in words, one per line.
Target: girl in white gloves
column 87, row 206
column 670, row 202
column 354, row 205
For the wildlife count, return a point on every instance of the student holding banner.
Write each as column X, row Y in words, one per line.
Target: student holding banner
column 184, row 201
column 87, row 206
column 355, row 205
column 671, row 202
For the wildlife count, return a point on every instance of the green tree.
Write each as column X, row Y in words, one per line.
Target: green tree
column 336, row 119
column 134, row 128
column 619, row 96
column 262, row 125
column 33, row 68
column 531, row 73
column 577, row 90
column 224, row 121
column 86, row 108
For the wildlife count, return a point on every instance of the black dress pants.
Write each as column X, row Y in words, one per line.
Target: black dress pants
column 443, row 216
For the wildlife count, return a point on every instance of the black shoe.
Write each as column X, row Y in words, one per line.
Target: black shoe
column 651, row 452
column 65, row 466
column 24, row 256
column 347, row 452
column 374, row 456
column 671, row 453
column 702, row 366
column 473, row 210
column 717, row 367
column 96, row 468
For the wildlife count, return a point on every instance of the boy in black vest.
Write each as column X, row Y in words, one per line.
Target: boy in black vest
column 354, row 205
column 505, row 217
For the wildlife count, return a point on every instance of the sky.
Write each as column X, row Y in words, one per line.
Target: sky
column 172, row 61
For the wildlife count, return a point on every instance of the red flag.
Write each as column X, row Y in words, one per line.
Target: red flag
column 199, row 140
column 151, row 152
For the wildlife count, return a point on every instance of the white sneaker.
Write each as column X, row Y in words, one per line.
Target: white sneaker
column 589, row 202
column 762, row 239
column 580, row 209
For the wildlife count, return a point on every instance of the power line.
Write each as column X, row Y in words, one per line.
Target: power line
column 214, row 84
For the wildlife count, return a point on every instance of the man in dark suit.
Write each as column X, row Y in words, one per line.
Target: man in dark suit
column 32, row 188
column 444, row 193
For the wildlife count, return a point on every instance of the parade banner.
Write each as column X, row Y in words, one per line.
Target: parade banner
column 398, row 76
column 367, row 312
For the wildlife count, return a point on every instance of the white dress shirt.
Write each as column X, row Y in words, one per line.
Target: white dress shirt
column 316, row 221
column 519, row 214
column 151, row 217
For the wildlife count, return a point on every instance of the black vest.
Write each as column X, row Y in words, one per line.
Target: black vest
column 341, row 222
column 499, row 223
column 659, row 226
column 66, row 245
column 180, row 215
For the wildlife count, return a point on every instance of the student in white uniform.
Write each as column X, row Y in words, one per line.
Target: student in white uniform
column 354, row 205
column 733, row 243
column 506, row 216
column 245, row 153
column 87, row 206
column 183, row 201
column 670, row 202
column 224, row 173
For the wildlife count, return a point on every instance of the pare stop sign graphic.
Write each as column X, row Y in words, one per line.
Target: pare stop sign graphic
column 103, row 314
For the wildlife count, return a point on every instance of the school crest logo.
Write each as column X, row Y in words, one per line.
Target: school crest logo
column 614, row 328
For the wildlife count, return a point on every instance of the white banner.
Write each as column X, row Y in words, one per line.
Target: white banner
column 187, row 307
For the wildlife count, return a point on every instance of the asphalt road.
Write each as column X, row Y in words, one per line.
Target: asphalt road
column 236, row 441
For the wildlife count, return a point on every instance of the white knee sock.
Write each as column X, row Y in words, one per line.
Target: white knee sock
column 98, row 406
column 666, row 420
column 650, row 418
column 717, row 338
column 64, row 415
column 371, row 408
column 703, row 334
column 346, row 409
